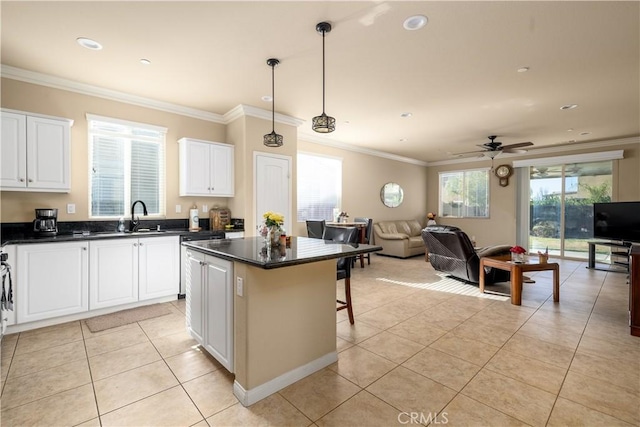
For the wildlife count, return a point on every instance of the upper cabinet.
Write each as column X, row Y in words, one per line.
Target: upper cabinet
column 206, row 168
column 35, row 153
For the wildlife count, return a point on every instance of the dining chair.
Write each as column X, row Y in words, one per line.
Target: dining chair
column 315, row 228
column 367, row 238
column 343, row 235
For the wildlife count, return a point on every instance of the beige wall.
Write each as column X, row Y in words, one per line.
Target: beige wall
column 19, row 206
column 364, row 175
column 500, row 228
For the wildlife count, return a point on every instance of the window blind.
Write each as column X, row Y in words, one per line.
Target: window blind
column 126, row 164
column 319, row 186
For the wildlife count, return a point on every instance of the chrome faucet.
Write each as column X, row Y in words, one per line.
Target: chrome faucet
column 135, row 223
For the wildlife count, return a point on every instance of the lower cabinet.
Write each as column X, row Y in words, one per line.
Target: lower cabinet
column 209, row 289
column 52, row 279
column 127, row 270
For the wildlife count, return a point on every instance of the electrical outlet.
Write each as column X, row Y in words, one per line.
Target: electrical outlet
column 71, row 208
column 178, row 208
column 205, row 208
column 240, row 286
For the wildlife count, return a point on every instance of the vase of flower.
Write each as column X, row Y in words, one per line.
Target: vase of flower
column 272, row 228
column 517, row 254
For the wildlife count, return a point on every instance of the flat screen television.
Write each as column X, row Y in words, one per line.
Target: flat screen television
column 617, row 221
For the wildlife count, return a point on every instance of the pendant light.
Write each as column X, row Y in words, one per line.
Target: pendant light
column 273, row 139
column 323, row 123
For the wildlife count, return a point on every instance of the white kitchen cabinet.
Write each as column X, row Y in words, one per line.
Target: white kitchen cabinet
column 210, row 305
column 36, row 153
column 206, row 168
column 158, row 267
column 114, row 272
column 51, row 279
column 127, row 270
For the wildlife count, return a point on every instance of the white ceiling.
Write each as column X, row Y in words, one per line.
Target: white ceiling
column 457, row 76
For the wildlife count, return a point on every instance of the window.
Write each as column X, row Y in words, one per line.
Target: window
column 126, row 163
column 464, row 194
column 319, row 186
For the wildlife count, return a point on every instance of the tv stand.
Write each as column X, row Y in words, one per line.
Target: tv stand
column 619, row 250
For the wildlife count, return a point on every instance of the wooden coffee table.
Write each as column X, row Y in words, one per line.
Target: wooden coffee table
column 516, row 271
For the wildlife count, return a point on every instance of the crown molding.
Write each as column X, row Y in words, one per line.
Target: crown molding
column 86, row 89
column 548, row 150
column 248, row 110
column 315, row 139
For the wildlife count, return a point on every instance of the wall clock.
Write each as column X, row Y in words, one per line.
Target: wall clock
column 503, row 172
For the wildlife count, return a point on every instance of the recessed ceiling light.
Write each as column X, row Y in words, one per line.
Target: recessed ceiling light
column 569, row 107
column 523, row 69
column 267, row 98
column 585, row 133
column 145, row 61
column 88, row 43
column 570, row 130
column 347, row 122
column 415, row 22
column 403, row 139
column 406, row 115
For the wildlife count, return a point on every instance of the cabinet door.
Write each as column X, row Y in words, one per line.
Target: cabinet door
column 194, row 287
column 51, row 280
column 48, row 154
column 13, row 154
column 159, row 267
column 221, row 170
column 218, row 338
column 195, row 179
column 113, row 272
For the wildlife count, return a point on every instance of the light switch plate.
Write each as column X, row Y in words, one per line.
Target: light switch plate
column 178, row 208
column 205, row 208
column 71, row 208
column 240, row 286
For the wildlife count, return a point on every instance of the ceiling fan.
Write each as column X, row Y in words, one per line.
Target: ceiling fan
column 493, row 148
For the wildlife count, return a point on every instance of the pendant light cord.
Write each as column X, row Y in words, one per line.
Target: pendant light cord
column 323, row 70
column 273, row 99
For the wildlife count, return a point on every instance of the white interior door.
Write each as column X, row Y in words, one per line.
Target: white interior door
column 273, row 186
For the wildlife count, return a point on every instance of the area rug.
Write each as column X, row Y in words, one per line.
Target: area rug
column 124, row 317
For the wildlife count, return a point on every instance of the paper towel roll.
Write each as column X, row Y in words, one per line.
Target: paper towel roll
column 193, row 219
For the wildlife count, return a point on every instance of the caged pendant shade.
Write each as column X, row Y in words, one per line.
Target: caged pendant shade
column 323, row 123
column 273, row 139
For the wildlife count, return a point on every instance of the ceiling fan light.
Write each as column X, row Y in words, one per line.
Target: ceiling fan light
column 323, row 123
column 491, row 154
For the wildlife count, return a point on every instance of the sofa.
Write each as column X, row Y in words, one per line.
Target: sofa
column 400, row 238
column 451, row 252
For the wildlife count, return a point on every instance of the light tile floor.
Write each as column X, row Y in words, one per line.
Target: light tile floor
column 414, row 356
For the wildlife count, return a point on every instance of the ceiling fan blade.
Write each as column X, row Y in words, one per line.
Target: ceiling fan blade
column 467, row 154
column 518, row 145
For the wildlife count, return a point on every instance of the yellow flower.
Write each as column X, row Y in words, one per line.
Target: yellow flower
column 272, row 219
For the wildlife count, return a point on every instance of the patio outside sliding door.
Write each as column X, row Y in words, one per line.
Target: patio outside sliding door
column 561, row 206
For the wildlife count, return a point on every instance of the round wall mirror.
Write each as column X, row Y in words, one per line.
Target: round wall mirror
column 391, row 195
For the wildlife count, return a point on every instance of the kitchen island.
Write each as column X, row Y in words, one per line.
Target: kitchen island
column 267, row 314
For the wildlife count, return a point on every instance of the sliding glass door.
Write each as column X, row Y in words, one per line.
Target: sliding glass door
column 561, row 206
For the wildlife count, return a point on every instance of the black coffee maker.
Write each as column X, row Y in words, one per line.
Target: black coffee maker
column 46, row 222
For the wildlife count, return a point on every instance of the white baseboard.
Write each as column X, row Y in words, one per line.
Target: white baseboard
column 249, row 397
column 22, row 327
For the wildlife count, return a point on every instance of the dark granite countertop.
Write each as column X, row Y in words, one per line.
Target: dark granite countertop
column 252, row 250
column 24, row 238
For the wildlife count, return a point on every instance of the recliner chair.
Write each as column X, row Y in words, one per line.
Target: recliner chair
column 451, row 251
